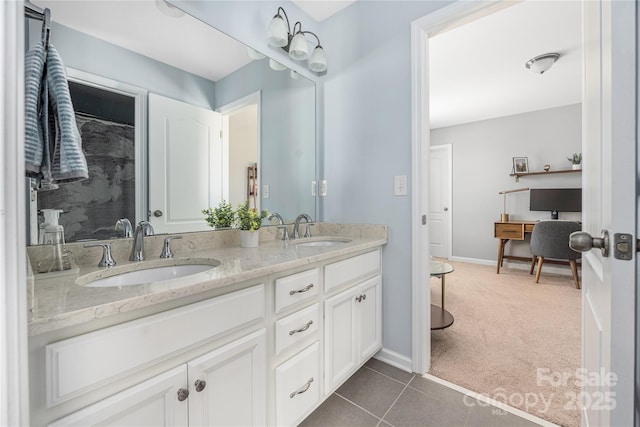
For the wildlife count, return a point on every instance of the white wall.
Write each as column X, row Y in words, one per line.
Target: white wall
column 482, row 162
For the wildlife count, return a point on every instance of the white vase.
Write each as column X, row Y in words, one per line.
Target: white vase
column 575, row 167
column 249, row 239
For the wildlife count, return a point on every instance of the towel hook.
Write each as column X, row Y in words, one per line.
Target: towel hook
column 46, row 30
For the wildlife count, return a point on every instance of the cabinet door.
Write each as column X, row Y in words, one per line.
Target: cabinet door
column 369, row 309
column 151, row 403
column 340, row 338
column 234, row 392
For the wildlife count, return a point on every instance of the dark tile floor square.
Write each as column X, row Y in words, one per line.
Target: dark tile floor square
column 380, row 395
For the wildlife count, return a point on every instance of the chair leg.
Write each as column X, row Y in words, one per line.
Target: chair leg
column 533, row 264
column 574, row 271
column 540, row 261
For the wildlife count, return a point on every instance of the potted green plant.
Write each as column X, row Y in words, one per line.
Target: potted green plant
column 249, row 221
column 576, row 161
column 220, row 217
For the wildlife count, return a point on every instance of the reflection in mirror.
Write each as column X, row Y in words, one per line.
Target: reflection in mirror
column 268, row 119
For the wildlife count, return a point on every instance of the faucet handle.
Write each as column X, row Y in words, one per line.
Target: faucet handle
column 307, row 231
column 166, row 249
column 107, row 260
column 285, row 229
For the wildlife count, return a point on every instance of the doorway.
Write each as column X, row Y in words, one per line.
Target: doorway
column 614, row 15
column 440, row 212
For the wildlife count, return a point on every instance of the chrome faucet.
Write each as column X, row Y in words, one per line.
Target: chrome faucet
column 296, row 226
column 144, row 228
column 124, row 225
column 281, row 224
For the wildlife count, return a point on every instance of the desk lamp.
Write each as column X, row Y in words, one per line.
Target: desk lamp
column 504, row 217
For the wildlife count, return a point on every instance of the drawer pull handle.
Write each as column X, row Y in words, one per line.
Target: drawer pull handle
column 200, row 385
column 304, row 328
column 302, row 389
column 299, row 291
column 361, row 297
column 183, row 393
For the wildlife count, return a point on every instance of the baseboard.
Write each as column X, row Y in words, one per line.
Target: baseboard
column 547, row 268
column 485, row 399
column 473, row 260
column 394, row 359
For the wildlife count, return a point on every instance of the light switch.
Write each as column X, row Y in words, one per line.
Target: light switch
column 265, row 191
column 323, row 188
column 400, row 185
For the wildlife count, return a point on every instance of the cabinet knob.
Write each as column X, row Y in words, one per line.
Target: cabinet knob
column 183, row 393
column 200, row 385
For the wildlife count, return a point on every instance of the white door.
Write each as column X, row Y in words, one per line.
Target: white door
column 440, row 201
column 341, row 340
column 154, row 402
column 186, row 165
column 228, row 386
column 609, row 204
column 369, row 311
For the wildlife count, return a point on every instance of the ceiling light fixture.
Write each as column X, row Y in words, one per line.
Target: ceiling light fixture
column 542, row 63
column 279, row 34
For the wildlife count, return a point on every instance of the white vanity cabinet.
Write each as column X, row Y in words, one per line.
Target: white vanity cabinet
column 269, row 352
column 224, row 387
column 352, row 319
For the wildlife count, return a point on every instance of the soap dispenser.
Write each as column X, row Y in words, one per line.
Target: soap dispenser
column 53, row 236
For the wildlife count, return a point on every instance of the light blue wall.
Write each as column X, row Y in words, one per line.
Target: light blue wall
column 367, row 138
column 364, row 123
column 287, row 136
column 95, row 56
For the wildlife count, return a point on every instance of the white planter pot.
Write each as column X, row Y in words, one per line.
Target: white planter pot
column 575, row 167
column 249, row 239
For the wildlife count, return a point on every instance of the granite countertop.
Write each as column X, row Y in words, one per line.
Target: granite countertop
column 58, row 301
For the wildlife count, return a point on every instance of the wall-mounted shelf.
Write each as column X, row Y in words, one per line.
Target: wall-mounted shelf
column 518, row 175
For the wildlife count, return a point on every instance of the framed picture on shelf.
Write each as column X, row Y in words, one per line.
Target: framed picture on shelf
column 520, row 165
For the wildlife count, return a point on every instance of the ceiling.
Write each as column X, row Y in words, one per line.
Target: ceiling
column 477, row 71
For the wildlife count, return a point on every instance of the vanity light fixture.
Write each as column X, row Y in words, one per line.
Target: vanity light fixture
column 542, row 63
column 279, row 34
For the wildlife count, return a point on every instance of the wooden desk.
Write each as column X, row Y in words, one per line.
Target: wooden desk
column 510, row 230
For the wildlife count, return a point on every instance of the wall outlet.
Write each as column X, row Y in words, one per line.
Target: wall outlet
column 323, row 188
column 265, row 191
column 400, row 185
column 314, row 188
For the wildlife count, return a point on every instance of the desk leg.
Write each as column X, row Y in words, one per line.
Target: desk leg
column 501, row 244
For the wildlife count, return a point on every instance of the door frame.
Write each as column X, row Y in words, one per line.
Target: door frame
column 14, row 388
column 448, row 17
column 225, row 110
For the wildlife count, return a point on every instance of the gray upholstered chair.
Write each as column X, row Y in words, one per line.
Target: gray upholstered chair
column 550, row 239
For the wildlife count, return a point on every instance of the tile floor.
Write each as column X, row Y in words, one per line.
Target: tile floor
column 382, row 395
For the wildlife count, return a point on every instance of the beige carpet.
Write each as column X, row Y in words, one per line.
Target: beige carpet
column 507, row 327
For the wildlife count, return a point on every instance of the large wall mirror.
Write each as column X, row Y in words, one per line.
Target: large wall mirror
column 142, row 75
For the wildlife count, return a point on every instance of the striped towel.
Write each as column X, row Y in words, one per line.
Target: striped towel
column 53, row 149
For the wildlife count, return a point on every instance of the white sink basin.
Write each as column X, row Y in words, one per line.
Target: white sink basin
column 323, row 243
column 147, row 275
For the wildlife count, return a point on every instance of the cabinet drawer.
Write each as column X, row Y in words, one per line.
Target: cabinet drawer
column 79, row 364
column 509, row 231
column 297, row 386
column 352, row 269
column 296, row 288
column 296, row 327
